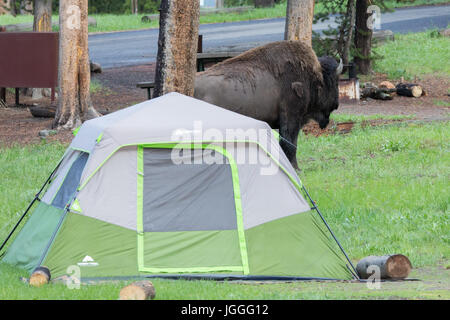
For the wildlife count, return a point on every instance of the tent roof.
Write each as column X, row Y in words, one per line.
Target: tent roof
column 157, row 120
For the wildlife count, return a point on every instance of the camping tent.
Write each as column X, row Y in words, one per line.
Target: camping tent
column 177, row 187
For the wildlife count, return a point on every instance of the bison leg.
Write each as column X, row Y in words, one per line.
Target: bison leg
column 289, row 128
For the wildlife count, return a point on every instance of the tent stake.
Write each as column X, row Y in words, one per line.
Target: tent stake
column 36, row 197
column 329, row 229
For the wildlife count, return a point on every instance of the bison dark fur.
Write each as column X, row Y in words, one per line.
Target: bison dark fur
column 282, row 83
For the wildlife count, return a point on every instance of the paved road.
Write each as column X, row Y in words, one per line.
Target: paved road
column 140, row 47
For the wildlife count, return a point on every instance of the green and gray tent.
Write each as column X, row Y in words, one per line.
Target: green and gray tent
column 177, row 187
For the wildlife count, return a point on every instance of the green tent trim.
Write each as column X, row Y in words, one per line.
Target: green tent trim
column 237, row 199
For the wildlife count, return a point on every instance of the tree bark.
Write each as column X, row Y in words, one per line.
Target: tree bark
column 74, row 77
column 219, row 4
column 134, row 6
column 42, row 16
column 26, row 6
column 177, row 47
column 42, row 22
column 346, row 32
column 299, row 20
column 8, row 6
column 363, row 38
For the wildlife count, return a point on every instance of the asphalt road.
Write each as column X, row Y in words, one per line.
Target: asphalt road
column 140, row 47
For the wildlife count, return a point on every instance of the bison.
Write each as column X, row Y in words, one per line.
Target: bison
column 282, row 83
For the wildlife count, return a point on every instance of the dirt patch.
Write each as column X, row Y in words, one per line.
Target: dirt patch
column 115, row 89
column 433, row 106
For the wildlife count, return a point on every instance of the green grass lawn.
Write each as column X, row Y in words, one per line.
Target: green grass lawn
column 414, row 54
column 110, row 22
column 382, row 189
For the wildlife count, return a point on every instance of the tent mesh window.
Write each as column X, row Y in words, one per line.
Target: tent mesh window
column 187, row 207
column 71, row 181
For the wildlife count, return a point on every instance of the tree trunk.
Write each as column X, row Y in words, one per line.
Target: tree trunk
column 219, row 4
column 363, row 38
column 346, row 32
column 42, row 23
column 74, row 76
column 26, row 6
column 42, row 16
column 8, row 6
column 299, row 20
column 177, row 47
column 134, row 6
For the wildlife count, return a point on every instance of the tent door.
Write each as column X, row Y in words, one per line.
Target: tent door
column 187, row 217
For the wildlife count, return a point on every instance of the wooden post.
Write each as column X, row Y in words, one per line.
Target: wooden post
column 177, row 47
column 299, row 19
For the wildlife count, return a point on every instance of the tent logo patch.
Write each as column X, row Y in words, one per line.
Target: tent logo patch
column 88, row 262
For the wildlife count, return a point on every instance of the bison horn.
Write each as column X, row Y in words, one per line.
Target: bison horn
column 340, row 68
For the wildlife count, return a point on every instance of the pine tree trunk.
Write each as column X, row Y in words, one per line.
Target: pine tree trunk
column 42, row 23
column 26, row 6
column 363, row 38
column 134, row 6
column 177, row 47
column 42, row 16
column 346, row 32
column 299, row 20
column 8, row 6
column 74, row 77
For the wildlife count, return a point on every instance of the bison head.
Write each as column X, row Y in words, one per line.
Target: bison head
column 327, row 99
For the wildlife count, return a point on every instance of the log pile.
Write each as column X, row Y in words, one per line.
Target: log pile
column 386, row 90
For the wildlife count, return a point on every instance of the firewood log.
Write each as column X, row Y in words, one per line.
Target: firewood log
column 40, row 276
column 396, row 266
column 409, row 90
column 377, row 93
column 139, row 290
column 43, row 112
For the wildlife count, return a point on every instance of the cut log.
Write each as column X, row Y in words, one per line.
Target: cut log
column 139, row 290
column 377, row 93
column 43, row 112
column 387, row 85
column 95, row 67
column 40, row 276
column 409, row 90
column 396, row 266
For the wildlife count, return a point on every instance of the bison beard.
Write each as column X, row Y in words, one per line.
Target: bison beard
column 282, row 83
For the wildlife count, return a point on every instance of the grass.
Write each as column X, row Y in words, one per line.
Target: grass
column 414, row 54
column 97, row 86
column 110, row 22
column 382, row 190
column 340, row 117
column 441, row 103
